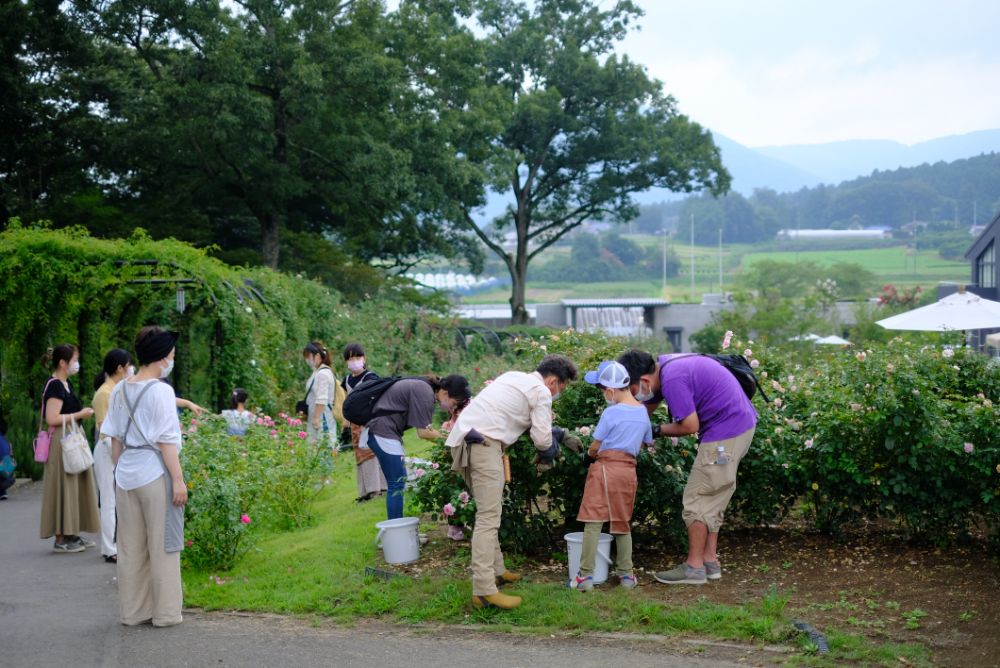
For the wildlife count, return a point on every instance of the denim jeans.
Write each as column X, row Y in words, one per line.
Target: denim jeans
column 395, row 477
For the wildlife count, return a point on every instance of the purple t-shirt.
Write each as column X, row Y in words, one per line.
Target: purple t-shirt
column 694, row 383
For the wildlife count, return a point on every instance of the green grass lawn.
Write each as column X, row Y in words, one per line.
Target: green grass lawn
column 320, row 570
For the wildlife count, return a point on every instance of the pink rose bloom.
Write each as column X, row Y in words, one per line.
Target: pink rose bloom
column 727, row 338
column 446, row 425
column 947, row 353
column 748, row 353
column 282, row 415
column 785, row 465
column 464, row 497
column 855, row 407
column 244, row 518
column 584, row 431
column 754, row 364
column 861, row 356
column 435, row 466
column 651, row 450
column 193, row 428
column 448, row 509
column 274, row 433
column 778, row 402
column 194, row 421
column 809, row 443
column 260, row 421
column 302, row 434
column 969, row 448
column 419, row 473
column 674, row 440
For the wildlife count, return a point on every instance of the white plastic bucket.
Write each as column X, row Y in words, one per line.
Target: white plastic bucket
column 574, row 548
column 398, row 540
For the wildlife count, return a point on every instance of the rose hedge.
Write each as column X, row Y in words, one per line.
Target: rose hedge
column 237, row 484
column 903, row 434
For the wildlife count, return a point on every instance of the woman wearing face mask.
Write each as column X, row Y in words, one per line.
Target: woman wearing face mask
column 69, row 501
column 145, row 445
column 117, row 367
column 321, row 396
column 371, row 481
column 407, row 403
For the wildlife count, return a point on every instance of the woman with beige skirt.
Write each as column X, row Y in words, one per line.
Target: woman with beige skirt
column 69, row 501
column 150, row 491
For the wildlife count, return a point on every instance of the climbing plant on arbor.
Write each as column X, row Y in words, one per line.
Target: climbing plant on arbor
column 240, row 327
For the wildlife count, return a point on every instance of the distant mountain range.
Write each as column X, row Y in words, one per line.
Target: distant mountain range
column 789, row 168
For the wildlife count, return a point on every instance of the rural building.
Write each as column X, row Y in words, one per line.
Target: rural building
column 982, row 257
column 869, row 233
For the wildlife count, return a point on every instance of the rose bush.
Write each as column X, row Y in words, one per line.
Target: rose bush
column 239, row 484
column 902, row 433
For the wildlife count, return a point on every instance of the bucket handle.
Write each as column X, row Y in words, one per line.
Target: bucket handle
column 378, row 538
column 607, row 559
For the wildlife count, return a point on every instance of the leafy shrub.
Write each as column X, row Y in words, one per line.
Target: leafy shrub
column 268, row 477
column 903, row 433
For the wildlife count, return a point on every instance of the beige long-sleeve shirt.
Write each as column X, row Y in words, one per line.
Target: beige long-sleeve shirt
column 506, row 408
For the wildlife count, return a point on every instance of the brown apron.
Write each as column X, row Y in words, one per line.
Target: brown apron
column 609, row 493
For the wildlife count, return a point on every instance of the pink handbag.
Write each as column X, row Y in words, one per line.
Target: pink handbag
column 44, row 438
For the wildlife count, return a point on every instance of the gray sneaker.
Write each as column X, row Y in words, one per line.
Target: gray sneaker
column 68, row 546
column 682, row 574
column 86, row 542
column 713, row 571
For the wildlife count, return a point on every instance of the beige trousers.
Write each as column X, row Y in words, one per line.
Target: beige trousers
column 486, row 474
column 149, row 578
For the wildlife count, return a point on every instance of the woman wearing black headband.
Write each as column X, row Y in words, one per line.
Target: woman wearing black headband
column 146, row 442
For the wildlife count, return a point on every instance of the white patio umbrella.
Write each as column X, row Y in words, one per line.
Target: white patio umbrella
column 956, row 312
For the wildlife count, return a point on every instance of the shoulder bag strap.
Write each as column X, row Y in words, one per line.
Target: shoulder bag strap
column 309, row 389
column 130, row 406
column 41, row 414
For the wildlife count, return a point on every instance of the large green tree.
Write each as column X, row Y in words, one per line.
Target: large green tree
column 577, row 129
column 233, row 121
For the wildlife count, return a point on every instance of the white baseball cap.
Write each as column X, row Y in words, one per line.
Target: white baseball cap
column 610, row 374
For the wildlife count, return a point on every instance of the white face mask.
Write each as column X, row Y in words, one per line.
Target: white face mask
column 609, row 399
column 165, row 371
column 74, row 368
column 356, row 365
column 644, row 396
column 311, row 362
column 129, row 371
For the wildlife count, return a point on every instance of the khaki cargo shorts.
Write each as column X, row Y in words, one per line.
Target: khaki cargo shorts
column 710, row 486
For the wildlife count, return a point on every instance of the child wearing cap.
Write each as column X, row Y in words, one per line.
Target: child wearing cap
column 609, row 493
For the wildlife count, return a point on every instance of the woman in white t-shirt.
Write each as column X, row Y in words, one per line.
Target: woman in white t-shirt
column 150, row 491
column 321, row 396
column 238, row 418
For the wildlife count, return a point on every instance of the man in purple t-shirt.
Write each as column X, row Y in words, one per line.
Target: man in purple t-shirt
column 703, row 398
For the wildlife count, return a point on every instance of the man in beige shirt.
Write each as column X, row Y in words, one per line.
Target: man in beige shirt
column 496, row 417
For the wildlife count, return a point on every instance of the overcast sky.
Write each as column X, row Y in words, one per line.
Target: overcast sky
column 772, row 72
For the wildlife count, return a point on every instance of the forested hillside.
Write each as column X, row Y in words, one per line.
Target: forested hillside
column 945, row 195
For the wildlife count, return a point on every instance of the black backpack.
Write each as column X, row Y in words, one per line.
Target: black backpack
column 359, row 406
column 741, row 370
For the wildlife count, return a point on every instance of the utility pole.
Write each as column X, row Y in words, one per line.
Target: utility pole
column 663, row 288
column 720, row 260
column 692, row 257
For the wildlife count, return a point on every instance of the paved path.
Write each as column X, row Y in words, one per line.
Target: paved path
column 61, row 610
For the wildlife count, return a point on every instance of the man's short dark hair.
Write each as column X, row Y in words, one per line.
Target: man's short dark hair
column 637, row 363
column 559, row 366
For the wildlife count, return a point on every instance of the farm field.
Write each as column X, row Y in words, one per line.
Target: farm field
column 890, row 265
